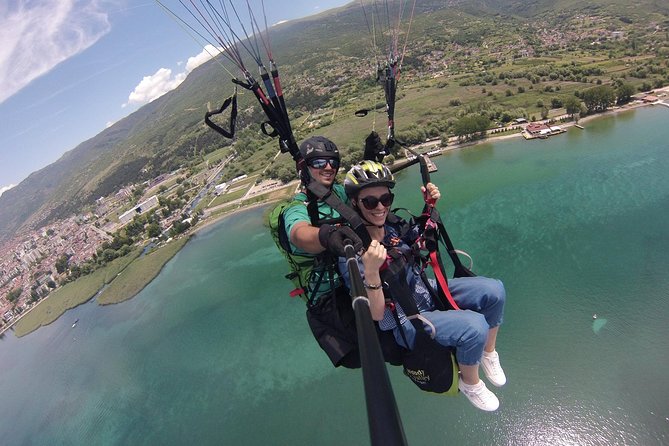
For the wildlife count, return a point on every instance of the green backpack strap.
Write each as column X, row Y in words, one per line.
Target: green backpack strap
column 300, row 265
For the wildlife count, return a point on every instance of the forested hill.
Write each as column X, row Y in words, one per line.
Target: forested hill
column 327, row 66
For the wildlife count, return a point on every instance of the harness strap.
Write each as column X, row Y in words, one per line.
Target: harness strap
column 433, row 330
column 441, row 279
column 440, row 232
column 232, row 100
column 348, row 214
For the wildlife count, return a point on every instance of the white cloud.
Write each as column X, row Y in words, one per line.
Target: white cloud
column 6, row 188
column 37, row 36
column 153, row 86
column 207, row 53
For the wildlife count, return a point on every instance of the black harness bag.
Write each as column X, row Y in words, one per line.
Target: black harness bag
column 332, row 322
column 429, row 365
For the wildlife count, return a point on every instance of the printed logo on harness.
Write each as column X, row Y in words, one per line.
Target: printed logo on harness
column 418, row 376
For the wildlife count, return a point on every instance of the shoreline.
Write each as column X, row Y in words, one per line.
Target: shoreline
column 209, row 221
column 457, row 146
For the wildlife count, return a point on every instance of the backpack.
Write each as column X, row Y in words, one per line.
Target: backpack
column 301, row 266
column 305, row 269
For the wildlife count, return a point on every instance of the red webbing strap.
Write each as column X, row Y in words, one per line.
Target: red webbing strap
column 439, row 275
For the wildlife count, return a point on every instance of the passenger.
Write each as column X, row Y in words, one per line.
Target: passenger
column 472, row 331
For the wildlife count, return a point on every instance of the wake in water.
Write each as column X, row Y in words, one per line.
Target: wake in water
column 598, row 323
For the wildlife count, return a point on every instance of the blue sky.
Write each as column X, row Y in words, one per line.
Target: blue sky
column 69, row 68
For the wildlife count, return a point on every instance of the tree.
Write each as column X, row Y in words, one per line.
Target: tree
column 134, row 228
column 599, row 98
column 61, row 264
column 108, row 255
column 153, row 230
column 544, row 113
column 572, row 105
column 471, row 127
column 178, row 227
column 624, row 91
column 14, row 294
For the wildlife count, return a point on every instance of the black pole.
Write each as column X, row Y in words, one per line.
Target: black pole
column 385, row 425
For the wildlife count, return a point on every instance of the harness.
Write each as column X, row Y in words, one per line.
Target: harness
column 430, row 365
column 308, row 272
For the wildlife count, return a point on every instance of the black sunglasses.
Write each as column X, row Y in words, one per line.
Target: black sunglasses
column 371, row 202
column 320, row 163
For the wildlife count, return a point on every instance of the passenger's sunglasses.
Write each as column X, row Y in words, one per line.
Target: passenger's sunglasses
column 320, row 163
column 371, row 202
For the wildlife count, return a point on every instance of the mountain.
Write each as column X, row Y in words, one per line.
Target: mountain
column 325, row 61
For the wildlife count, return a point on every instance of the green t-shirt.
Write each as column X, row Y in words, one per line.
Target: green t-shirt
column 296, row 214
column 299, row 213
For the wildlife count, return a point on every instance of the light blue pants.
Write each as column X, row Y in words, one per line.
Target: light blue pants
column 482, row 307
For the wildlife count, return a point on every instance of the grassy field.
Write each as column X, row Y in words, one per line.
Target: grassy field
column 139, row 273
column 124, row 277
column 71, row 295
column 225, row 198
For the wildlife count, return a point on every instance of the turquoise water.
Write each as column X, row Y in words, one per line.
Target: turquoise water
column 214, row 351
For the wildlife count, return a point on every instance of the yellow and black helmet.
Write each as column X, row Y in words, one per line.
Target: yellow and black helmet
column 366, row 174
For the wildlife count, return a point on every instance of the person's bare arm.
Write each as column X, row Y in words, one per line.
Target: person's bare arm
column 305, row 236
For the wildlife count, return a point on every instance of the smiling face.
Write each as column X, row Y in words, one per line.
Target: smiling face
column 376, row 216
column 326, row 176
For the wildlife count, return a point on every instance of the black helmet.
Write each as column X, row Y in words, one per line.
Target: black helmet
column 366, row 174
column 318, row 147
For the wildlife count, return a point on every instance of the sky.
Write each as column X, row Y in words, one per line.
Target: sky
column 71, row 68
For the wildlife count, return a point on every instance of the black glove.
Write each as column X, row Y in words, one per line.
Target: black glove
column 334, row 238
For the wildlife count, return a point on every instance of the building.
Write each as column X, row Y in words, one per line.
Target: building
column 141, row 208
column 537, row 129
column 221, row 188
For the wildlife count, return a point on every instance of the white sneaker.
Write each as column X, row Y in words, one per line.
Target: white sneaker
column 479, row 395
column 493, row 369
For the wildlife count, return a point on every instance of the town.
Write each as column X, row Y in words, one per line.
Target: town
column 32, row 264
